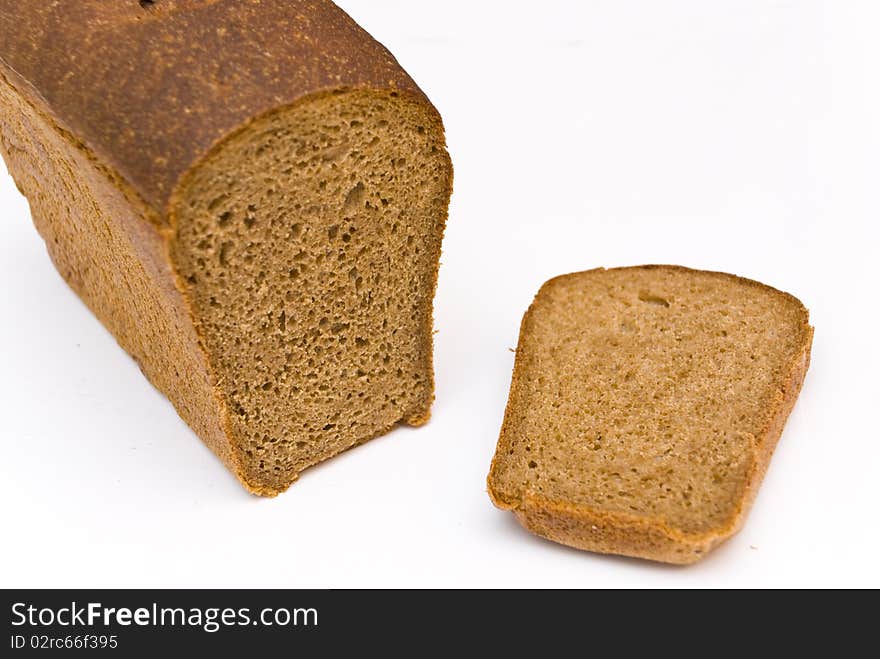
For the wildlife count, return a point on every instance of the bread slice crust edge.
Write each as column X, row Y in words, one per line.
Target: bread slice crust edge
column 651, row 538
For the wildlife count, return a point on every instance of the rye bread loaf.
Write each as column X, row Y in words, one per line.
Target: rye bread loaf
column 645, row 406
column 251, row 196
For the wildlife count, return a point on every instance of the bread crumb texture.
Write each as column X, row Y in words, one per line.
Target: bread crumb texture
column 308, row 246
column 645, row 406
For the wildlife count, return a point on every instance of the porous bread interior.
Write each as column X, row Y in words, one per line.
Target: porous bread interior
column 644, row 392
column 308, row 245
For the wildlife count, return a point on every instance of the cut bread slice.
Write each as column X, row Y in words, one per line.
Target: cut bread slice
column 645, row 406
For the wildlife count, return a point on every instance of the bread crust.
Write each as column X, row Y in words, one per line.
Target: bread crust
column 178, row 76
column 581, row 527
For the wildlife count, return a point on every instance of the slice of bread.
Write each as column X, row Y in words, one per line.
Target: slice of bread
column 645, row 406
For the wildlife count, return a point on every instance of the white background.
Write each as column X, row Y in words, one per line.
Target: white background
column 731, row 135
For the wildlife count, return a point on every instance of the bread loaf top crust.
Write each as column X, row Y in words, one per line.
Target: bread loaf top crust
column 149, row 87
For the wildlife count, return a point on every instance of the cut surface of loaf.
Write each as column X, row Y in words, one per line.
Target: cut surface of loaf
column 645, row 406
column 308, row 247
column 253, row 205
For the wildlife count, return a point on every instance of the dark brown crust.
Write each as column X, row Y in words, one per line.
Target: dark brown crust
column 581, row 527
column 178, row 76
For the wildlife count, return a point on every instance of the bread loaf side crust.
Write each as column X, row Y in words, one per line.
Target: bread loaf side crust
column 582, row 527
column 117, row 263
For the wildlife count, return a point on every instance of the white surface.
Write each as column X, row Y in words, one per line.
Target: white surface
column 737, row 136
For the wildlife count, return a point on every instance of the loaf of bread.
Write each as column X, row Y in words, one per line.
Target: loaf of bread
column 251, row 196
column 645, row 406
